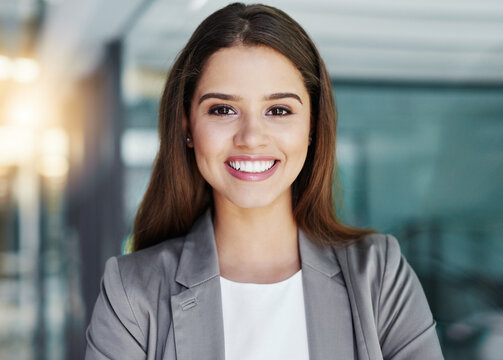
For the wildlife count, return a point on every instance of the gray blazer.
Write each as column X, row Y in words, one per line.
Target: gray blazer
column 164, row 302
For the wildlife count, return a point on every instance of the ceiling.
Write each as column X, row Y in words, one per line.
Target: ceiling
column 430, row 41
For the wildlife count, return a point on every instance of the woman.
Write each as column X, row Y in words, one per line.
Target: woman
column 237, row 250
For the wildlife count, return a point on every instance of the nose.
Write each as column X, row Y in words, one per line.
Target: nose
column 251, row 132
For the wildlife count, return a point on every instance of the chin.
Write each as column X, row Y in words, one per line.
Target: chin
column 254, row 201
column 246, row 198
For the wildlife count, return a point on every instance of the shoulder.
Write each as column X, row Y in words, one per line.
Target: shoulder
column 375, row 242
column 138, row 276
column 153, row 264
column 152, row 260
column 375, row 250
column 370, row 263
column 389, row 298
column 135, row 290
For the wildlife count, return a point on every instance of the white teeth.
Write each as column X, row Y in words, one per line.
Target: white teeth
column 252, row 166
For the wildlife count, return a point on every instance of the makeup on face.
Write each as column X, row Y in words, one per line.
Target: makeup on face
column 251, row 168
column 250, row 122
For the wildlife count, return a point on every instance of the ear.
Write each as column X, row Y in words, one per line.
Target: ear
column 311, row 130
column 186, row 131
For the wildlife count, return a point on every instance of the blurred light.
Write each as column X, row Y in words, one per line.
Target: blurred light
column 54, row 166
column 5, row 68
column 54, row 153
column 139, row 147
column 16, row 145
column 4, row 188
column 195, row 5
column 139, row 83
column 25, row 70
column 24, row 111
column 54, row 142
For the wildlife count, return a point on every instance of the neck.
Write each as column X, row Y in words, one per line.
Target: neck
column 257, row 244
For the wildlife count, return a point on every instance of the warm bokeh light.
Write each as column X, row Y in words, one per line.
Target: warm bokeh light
column 54, row 142
column 23, row 111
column 16, row 145
column 21, row 70
column 5, row 68
column 54, row 153
column 54, row 166
column 25, row 70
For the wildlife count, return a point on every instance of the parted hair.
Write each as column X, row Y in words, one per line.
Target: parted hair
column 177, row 193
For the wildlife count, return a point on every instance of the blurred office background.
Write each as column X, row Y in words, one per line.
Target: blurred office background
column 419, row 88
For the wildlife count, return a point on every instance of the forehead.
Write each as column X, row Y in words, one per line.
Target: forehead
column 250, row 68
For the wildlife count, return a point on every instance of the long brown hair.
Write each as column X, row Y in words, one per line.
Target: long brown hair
column 177, row 194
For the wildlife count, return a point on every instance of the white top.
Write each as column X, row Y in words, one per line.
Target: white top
column 264, row 321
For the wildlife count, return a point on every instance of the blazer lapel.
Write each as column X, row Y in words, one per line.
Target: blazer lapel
column 197, row 311
column 329, row 324
column 361, row 306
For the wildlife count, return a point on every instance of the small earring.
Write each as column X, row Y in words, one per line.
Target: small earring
column 310, row 139
column 188, row 140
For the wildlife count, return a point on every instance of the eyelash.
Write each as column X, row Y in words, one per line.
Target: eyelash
column 213, row 110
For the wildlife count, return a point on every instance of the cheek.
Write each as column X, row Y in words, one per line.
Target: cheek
column 296, row 138
column 300, row 145
column 203, row 152
column 295, row 147
column 209, row 146
column 204, row 162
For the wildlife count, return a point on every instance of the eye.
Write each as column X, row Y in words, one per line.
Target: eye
column 279, row 111
column 221, row 110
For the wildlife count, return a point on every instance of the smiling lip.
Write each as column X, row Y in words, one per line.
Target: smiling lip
column 251, row 176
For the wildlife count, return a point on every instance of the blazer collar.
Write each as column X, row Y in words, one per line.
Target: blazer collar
column 197, row 310
column 199, row 258
column 320, row 258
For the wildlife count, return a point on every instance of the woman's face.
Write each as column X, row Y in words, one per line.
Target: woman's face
column 249, row 124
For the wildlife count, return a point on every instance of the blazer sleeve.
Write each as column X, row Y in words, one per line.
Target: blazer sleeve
column 113, row 332
column 405, row 324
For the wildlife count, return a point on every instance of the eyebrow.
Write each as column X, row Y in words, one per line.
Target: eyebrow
column 274, row 96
